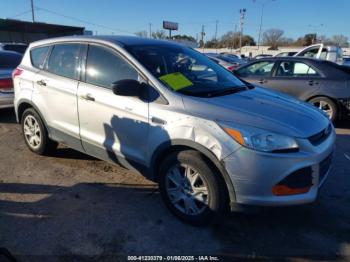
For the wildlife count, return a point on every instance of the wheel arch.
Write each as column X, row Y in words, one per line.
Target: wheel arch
column 23, row 105
column 179, row 145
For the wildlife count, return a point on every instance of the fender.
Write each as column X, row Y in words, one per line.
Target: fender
column 166, row 146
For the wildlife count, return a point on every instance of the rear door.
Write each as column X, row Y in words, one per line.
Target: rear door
column 258, row 73
column 55, row 92
column 296, row 78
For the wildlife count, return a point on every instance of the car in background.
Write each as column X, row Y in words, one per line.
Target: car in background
column 261, row 56
column 224, row 62
column 8, row 62
column 324, row 52
column 16, row 47
column 282, row 54
column 346, row 61
column 324, row 84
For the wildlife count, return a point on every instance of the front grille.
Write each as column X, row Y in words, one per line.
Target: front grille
column 321, row 136
column 298, row 179
column 324, row 167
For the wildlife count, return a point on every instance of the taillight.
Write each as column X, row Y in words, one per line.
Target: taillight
column 6, row 83
column 231, row 68
column 16, row 72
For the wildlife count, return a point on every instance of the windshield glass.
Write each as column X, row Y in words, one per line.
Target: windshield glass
column 185, row 70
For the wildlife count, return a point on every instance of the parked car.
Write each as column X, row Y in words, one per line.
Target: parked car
column 282, row 54
column 324, row 52
column 16, row 47
column 224, row 62
column 262, row 56
column 8, row 62
column 170, row 113
column 346, row 61
column 324, row 84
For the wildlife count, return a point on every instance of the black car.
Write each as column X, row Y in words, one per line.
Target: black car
column 323, row 83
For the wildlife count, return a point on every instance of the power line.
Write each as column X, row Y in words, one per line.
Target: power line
column 20, row 14
column 83, row 21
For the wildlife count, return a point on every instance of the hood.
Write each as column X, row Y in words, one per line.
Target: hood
column 263, row 109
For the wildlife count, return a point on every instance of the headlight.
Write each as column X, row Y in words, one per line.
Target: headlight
column 258, row 139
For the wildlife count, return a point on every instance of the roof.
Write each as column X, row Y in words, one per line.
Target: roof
column 115, row 39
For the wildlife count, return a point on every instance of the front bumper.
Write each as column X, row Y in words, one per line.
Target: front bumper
column 6, row 100
column 254, row 173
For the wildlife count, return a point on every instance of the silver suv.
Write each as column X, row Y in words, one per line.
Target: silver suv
column 178, row 118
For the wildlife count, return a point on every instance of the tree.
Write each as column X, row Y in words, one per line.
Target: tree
column 184, row 37
column 143, row 34
column 231, row 40
column 272, row 37
column 340, row 40
column 159, row 34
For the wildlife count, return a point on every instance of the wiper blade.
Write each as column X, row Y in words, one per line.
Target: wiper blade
column 228, row 91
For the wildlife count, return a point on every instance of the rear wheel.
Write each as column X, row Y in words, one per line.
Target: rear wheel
column 189, row 187
column 35, row 133
column 326, row 105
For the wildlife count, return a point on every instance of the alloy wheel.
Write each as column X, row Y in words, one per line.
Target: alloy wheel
column 325, row 107
column 32, row 132
column 187, row 190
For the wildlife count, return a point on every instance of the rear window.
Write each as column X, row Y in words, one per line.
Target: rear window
column 38, row 56
column 64, row 60
column 9, row 60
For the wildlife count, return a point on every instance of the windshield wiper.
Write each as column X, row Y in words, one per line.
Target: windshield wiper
column 227, row 91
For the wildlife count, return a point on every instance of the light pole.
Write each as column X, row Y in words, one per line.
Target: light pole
column 242, row 13
column 32, row 6
column 261, row 18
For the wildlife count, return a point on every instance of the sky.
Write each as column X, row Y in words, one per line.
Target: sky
column 125, row 17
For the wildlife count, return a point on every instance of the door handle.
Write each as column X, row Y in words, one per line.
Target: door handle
column 157, row 120
column 87, row 97
column 262, row 81
column 41, row 83
column 312, row 82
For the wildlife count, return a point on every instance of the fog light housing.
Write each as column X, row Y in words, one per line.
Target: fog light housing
column 299, row 182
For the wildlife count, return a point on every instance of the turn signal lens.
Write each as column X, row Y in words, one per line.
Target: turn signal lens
column 236, row 135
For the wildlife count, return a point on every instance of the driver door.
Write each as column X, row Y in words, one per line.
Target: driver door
column 112, row 127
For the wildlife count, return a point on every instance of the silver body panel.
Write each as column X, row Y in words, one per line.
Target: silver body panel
column 115, row 127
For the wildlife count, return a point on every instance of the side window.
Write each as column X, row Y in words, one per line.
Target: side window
column 38, row 56
column 257, row 69
column 104, row 67
column 64, row 60
column 295, row 69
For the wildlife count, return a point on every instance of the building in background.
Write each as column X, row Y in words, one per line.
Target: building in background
column 27, row 32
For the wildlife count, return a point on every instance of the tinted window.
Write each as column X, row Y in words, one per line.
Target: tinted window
column 38, row 56
column 64, row 60
column 9, row 60
column 105, row 67
column 295, row 69
column 257, row 69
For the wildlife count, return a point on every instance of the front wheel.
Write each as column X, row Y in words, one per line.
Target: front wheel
column 326, row 105
column 189, row 187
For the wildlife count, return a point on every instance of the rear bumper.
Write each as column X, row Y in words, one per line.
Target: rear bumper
column 254, row 174
column 6, row 100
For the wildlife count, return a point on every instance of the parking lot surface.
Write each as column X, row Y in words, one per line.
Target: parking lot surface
column 72, row 204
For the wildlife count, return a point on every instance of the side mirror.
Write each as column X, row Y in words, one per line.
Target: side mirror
column 127, row 87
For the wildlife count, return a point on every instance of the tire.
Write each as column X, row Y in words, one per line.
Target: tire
column 326, row 105
column 35, row 133
column 202, row 205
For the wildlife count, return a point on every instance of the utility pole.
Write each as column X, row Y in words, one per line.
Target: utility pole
column 202, row 36
column 32, row 5
column 150, row 30
column 261, row 20
column 234, row 38
column 216, row 29
column 241, row 22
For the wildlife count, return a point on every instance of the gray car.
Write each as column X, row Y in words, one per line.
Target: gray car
column 178, row 118
column 324, row 84
column 8, row 62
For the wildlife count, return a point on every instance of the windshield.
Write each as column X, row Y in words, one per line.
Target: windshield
column 9, row 60
column 185, row 70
